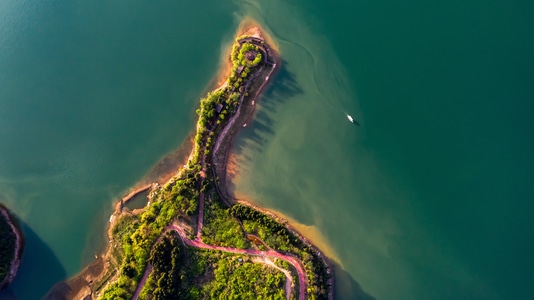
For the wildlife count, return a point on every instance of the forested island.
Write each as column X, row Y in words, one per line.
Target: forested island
column 192, row 240
column 11, row 247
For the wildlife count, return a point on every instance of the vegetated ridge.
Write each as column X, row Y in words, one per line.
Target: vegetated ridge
column 192, row 241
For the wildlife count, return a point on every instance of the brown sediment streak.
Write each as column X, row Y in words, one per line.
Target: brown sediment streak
column 232, row 168
column 170, row 164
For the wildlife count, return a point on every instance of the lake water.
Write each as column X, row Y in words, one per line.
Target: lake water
column 429, row 198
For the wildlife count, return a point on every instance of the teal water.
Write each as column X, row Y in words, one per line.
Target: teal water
column 430, row 198
column 92, row 95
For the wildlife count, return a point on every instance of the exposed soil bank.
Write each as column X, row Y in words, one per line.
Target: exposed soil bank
column 18, row 248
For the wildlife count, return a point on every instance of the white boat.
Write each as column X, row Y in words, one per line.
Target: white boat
column 350, row 118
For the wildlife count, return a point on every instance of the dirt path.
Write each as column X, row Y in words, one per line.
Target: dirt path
column 142, row 282
column 289, row 279
column 201, row 204
column 303, row 278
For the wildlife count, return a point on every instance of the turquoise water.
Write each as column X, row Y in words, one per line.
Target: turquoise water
column 92, row 95
column 430, row 198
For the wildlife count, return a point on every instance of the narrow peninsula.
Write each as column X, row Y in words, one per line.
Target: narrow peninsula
column 193, row 240
column 11, row 247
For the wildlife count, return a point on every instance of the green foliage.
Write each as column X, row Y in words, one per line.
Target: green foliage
column 184, row 193
column 121, row 289
column 166, row 258
column 220, row 228
column 278, row 237
column 257, row 59
column 239, row 55
column 241, row 58
column 245, row 280
column 137, row 235
column 275, row 234
column 282, row 264
column 207, row 274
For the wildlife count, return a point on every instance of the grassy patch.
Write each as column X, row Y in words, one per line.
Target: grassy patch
column 220, row 228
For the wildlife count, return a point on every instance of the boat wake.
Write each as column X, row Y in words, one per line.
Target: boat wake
column 351, row 119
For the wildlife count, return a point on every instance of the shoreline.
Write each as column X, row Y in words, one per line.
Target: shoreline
column 222, row 155
column 306, row 231
column 309, row 232
column 327, row 261
column 225, row 66
column 81, row 285
column 120, row 204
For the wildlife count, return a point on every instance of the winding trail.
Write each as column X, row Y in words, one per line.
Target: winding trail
column 289, row 281
column 303, row 279
column 198, row 243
